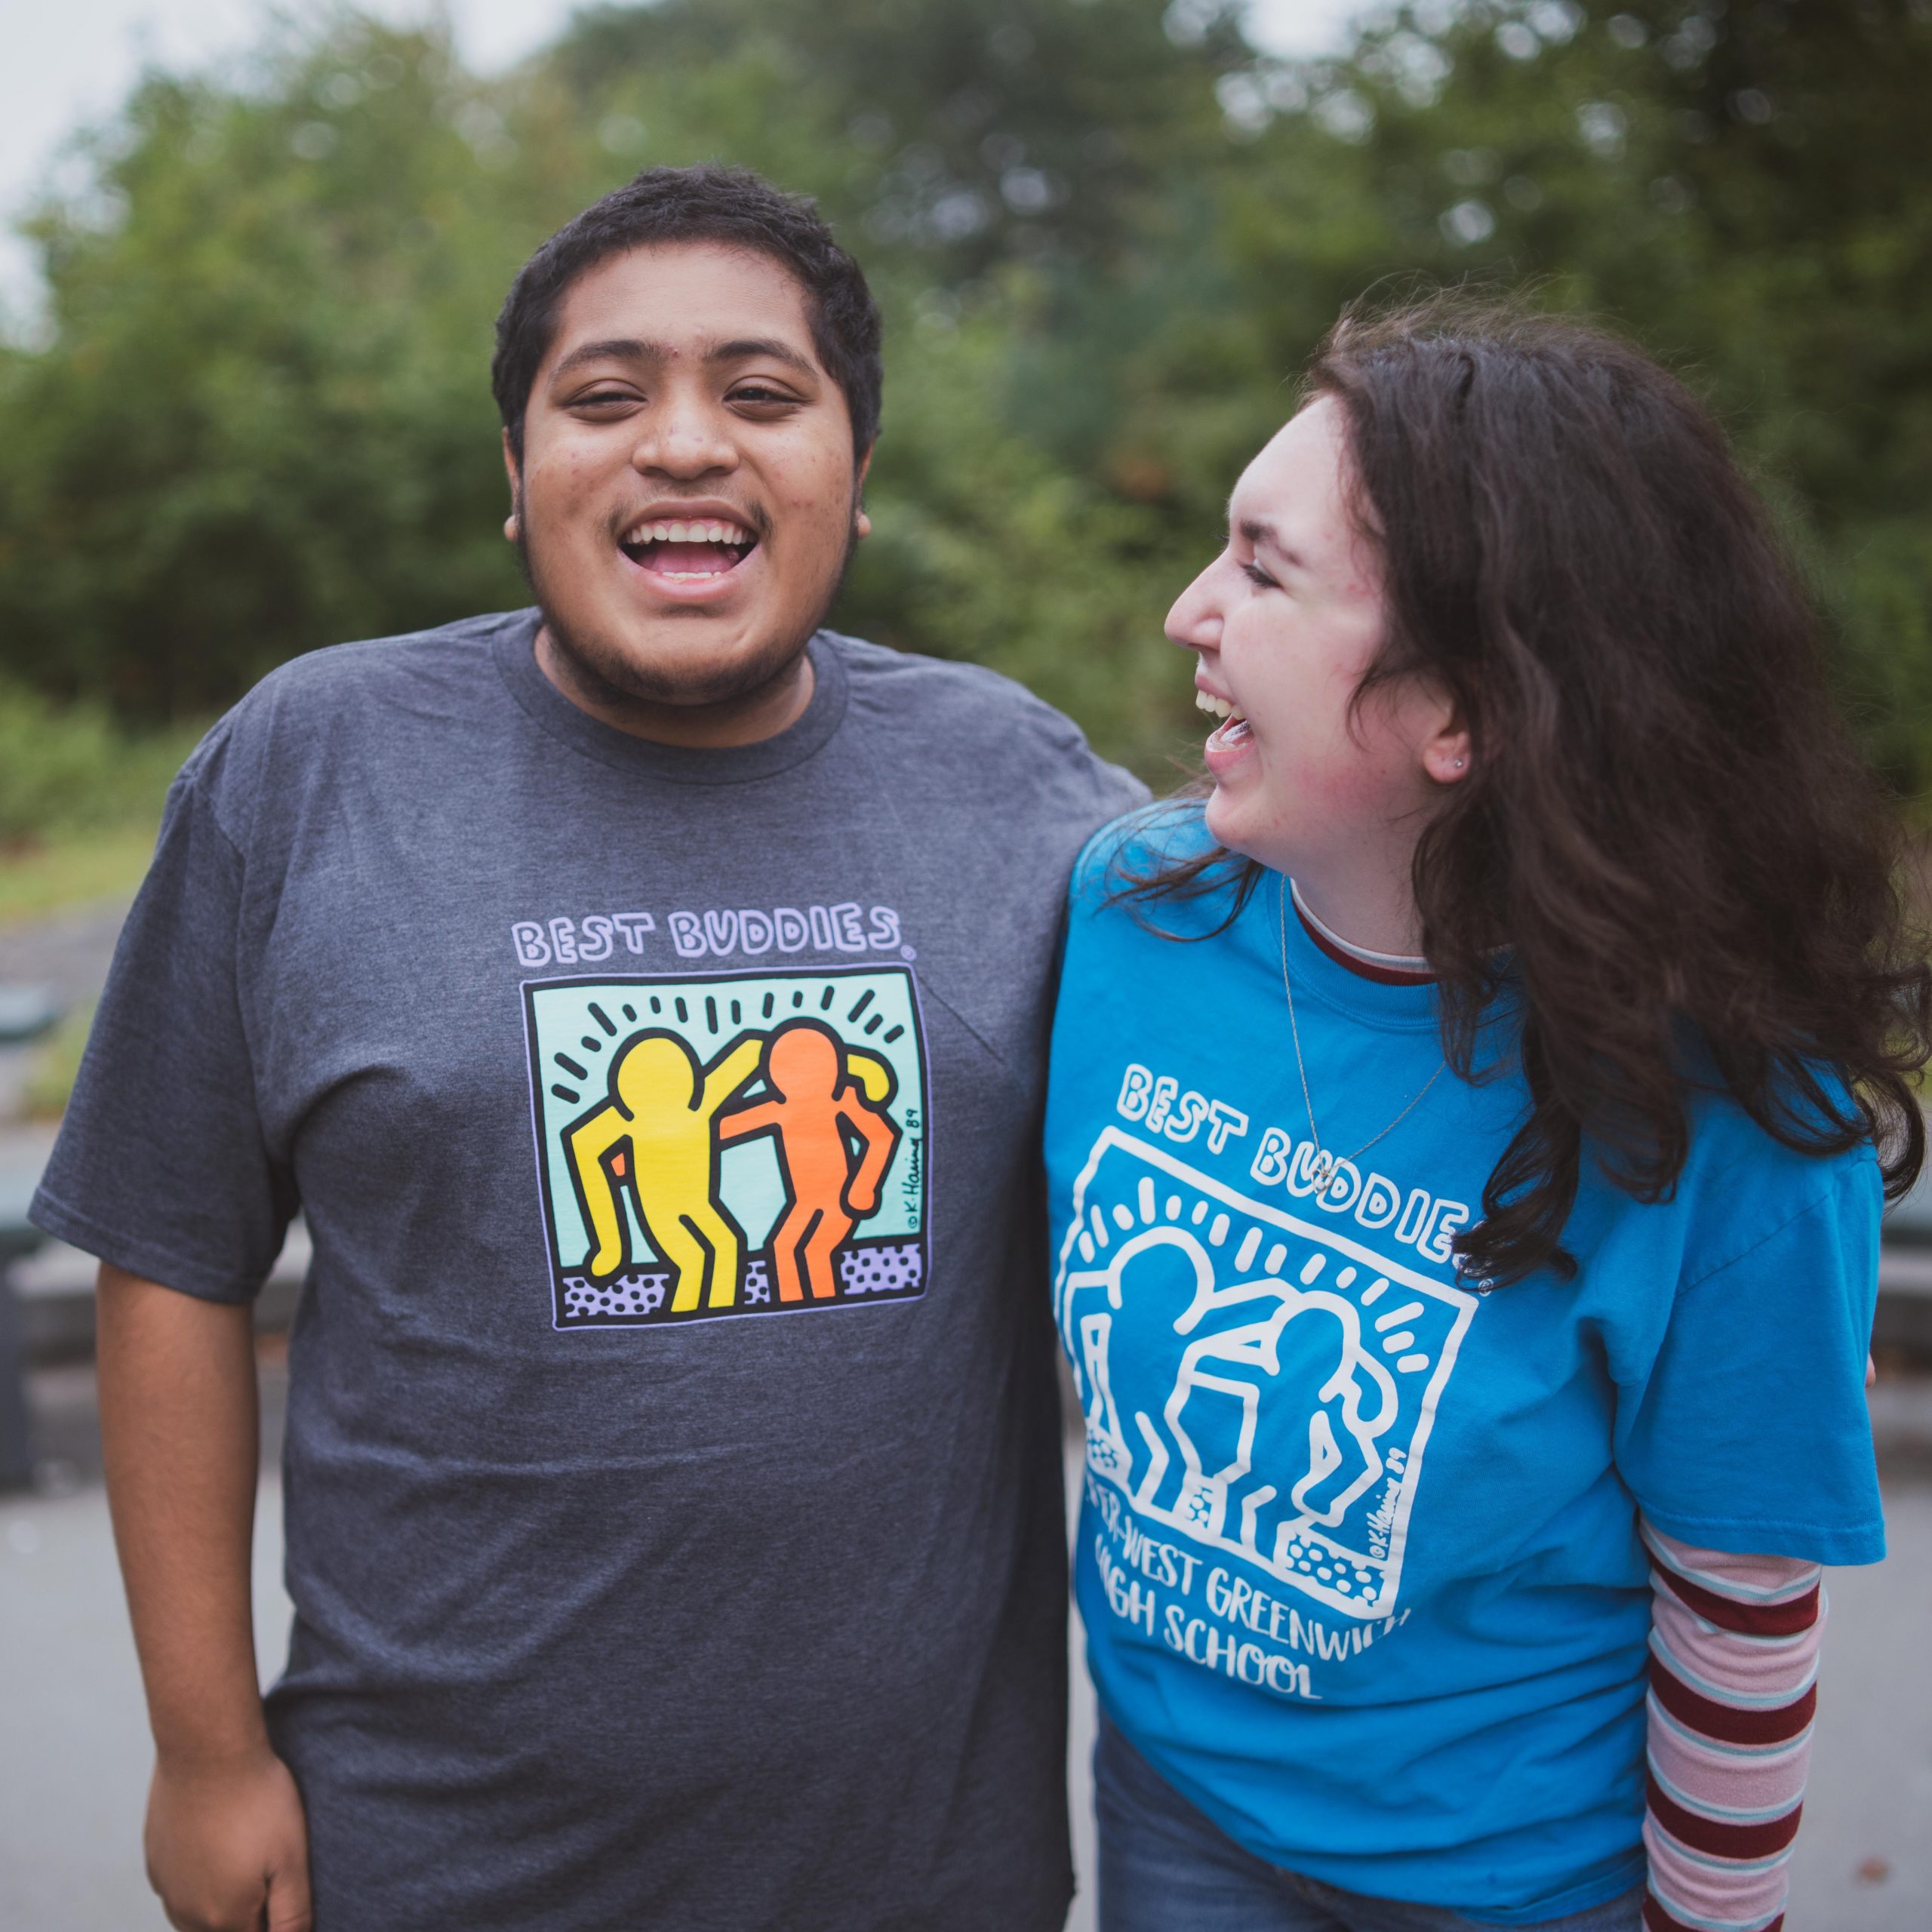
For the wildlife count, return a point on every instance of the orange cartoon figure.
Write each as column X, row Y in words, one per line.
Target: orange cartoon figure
column 654, row 1135
column 819, row 1090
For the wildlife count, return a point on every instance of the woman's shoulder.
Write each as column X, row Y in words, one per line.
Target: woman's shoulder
column 1754, row 1173
column 1166, row 831
column 1159, row 864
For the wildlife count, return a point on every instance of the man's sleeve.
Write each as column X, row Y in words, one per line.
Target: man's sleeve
column 1749, row 1432
column 161, row 1166
column 1120, row 791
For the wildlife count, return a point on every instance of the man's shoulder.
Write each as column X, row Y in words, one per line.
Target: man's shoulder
column 981, row 698
column 960, row 713
column 382, row 669
column 314, row 712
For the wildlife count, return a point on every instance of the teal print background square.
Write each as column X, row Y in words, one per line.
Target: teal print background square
column 578, row 1030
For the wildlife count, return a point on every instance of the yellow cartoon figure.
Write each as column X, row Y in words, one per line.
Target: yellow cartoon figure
column 655, row 1135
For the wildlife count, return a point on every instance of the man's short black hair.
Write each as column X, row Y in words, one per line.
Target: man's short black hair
column 703, row 204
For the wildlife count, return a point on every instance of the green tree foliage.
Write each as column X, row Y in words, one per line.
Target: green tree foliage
column 257, row 429
column 69, row 768
column 1106, row 234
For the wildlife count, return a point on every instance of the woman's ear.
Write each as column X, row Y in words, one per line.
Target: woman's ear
column 1446, row 757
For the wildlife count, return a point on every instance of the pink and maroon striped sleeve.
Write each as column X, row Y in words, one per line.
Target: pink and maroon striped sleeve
column 1734, row 1644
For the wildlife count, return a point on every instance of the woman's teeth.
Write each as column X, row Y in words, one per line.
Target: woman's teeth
column 1233, row 726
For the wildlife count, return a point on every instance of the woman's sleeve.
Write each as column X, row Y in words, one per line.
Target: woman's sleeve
column 1734, row 1643
column 1746, row 1428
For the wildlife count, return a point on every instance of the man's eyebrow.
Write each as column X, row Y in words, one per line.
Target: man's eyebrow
column 1257, row 530
column 616, row 348
column 630, row 349
column 746, row 348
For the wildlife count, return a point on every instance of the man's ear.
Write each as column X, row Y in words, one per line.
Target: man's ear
column 861, row 523
column 510, row 469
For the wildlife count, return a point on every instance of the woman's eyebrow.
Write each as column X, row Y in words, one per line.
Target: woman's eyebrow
column 1257, row 530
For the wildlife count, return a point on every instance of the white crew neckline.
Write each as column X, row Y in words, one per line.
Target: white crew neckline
column 1389, row 962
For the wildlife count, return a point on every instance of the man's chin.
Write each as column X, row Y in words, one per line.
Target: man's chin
column 681, row 677
column 670, row 666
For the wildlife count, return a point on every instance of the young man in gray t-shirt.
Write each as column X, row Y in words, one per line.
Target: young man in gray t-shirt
column 643, row 999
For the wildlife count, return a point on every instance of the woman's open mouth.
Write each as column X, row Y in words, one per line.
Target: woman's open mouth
column 695, row 551
column 1233, row 728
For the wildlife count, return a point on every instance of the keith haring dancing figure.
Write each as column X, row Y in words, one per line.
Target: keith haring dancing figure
column 812, row 1103
column 1256, row 1365
column 655, row 1135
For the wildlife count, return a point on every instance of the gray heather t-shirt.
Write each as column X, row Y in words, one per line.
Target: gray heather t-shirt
column 673, row 1489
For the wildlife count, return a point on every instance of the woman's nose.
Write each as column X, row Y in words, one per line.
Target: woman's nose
column 1195, row 622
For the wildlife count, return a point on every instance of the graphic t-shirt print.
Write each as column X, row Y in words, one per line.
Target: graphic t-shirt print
column 1260, row 1383
column 731, row 1144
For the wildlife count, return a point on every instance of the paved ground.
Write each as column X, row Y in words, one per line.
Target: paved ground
column 74, row 1750
column 74, row 1768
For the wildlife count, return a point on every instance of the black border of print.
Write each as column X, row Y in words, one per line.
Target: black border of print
column 562, row 1318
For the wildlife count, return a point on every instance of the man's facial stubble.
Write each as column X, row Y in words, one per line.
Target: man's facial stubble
column 617, row 680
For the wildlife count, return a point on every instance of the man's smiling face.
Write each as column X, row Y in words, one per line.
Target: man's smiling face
column 687, row 496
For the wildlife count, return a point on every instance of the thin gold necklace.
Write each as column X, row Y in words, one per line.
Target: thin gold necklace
column 1322, row 1169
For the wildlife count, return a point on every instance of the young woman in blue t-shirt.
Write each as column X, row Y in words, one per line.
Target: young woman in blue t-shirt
column 1466, row 1247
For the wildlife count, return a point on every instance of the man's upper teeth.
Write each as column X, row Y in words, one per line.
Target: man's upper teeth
column 703, row 532
column 1218, row 707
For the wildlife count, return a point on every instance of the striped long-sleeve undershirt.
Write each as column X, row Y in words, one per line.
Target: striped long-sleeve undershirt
column 1734, row 1645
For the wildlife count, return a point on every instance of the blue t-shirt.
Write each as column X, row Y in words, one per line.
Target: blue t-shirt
column 1358, row 1558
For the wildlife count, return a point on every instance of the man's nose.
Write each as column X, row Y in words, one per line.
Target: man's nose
column 684, row 439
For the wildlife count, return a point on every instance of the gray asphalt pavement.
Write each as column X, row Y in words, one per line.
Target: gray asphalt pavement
column 74, row 1750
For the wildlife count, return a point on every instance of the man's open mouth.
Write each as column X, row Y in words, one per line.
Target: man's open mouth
column 688, row 552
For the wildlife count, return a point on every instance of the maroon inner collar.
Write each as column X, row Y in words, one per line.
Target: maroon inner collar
column 1363, row 969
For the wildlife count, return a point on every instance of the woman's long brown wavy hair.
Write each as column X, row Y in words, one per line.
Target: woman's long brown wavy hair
column 1668, row 855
